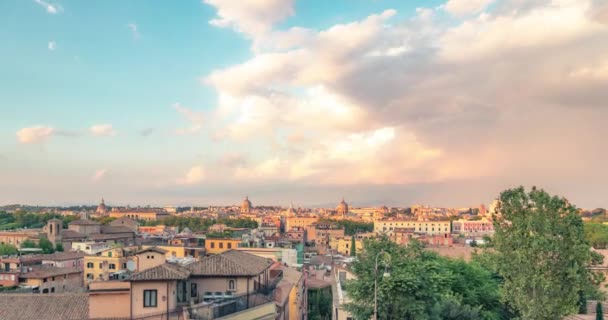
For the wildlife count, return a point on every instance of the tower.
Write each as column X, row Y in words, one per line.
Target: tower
column 246, row 205
column 53, row 230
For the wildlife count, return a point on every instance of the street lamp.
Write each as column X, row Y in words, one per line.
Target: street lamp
column 387, row 257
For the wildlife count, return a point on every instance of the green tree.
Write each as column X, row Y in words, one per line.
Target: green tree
column 319, row 304
column 597, row 235
column 422, row 285
column 59, row 247
column 28, row 244
column 46, row 245
column 353, row 247
column 599, row 311
column 7, row 249
column 542, row 254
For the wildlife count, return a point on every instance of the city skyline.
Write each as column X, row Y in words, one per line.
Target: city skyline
column 381, row 102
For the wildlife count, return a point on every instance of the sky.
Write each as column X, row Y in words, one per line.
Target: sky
column 381, row 102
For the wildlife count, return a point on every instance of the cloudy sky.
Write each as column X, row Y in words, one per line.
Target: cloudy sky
column 303, row 101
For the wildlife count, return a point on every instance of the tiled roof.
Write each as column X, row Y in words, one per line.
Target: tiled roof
column 71, row 234
column 61, row 256
column 111, row 236
column 155, row 249
column 40, row 272
column 165, row 271
column 230, row 263
column 84, row 222
column 116, row 229
column 55, row 306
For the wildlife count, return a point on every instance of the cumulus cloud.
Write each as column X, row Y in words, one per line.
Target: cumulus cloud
column 52, row 45
column 99, row 175
column 491, row 95
column 195, row 175
column 37, row 134
column 50, row 8
column 134, row 31
column 195, row 118
column 466, row 7
column 102, row 130
column 251, row 17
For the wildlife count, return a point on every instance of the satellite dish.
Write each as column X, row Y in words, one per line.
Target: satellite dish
column 131, row 265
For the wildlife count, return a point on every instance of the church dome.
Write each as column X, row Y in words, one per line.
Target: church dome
column 102, row 207
column 342, row 207
column 246, row 205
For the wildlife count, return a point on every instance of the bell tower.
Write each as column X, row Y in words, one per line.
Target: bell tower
column 53, row 230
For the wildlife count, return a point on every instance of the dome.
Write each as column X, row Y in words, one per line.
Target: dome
column 102, row 207
column 246, row 206
column 342, row 207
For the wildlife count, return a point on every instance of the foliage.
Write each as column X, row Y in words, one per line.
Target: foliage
column 353, row 247
column 541, row 254
column 422, row 285
column 582, row 303
column 219, row 235
column 599, row 311
column 597, row 235
column 59, row 247
column 7, row 249
column 23, row 219
column 28, row 244
column 104, row 220
column 201, row 224
column 319, row 304
column 350, row 227
column 46, row 245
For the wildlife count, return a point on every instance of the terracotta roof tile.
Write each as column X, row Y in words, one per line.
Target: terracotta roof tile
column 40, row 272
column 44, row 306
column 84, row 222
column 230, row 263
column 165, row 271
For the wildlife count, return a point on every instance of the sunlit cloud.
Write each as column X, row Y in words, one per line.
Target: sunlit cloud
column 33, row 135
column 195, row 175
column 102, row 130
column 99, row 175
column 52, row 45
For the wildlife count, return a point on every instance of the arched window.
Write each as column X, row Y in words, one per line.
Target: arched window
column 231, row 285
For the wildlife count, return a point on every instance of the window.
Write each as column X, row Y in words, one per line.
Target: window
column 110, row 254
column 90, row 276
column 45, row 280
column 231, row 285
column 124, row 265
column 150, row 298
column 221, row 245
column 193, row 290
column 212, row 245
column 112, row 266
column 53, row 279
column 182, row 292
column 229, row 245
column 53, row 289
column 100, row 265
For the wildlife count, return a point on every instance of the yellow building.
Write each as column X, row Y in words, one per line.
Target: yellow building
column 215, row 246
column 427, row 227
column 299, row 221
column 105, row 263
column 180, row 251
column 147, row 215
column 343, row 245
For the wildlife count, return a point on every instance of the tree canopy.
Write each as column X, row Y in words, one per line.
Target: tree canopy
column 541, row 254
column 422, row 285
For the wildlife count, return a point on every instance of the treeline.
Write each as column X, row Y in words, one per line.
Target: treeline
column 201, row 224
column 22, row 219
column 350, row 227
column 537, row 269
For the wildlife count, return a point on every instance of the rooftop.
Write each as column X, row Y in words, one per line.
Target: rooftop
column 40, row 272
column 55, row 306
column 165, row 271
column 230, row 263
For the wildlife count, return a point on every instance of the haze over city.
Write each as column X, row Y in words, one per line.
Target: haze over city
column 381, row 102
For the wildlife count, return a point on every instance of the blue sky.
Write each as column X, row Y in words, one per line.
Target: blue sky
column 205, row 101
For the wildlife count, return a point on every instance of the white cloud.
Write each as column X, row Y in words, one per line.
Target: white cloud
column 251, row 17
column 52, row 45
column 419, row 100
column 466, row 7
column 195, row 118
column 37, row 134
column 99, row 175
column 102, row 130
column 195, row 175
column 50, row 8
column 134, row 31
